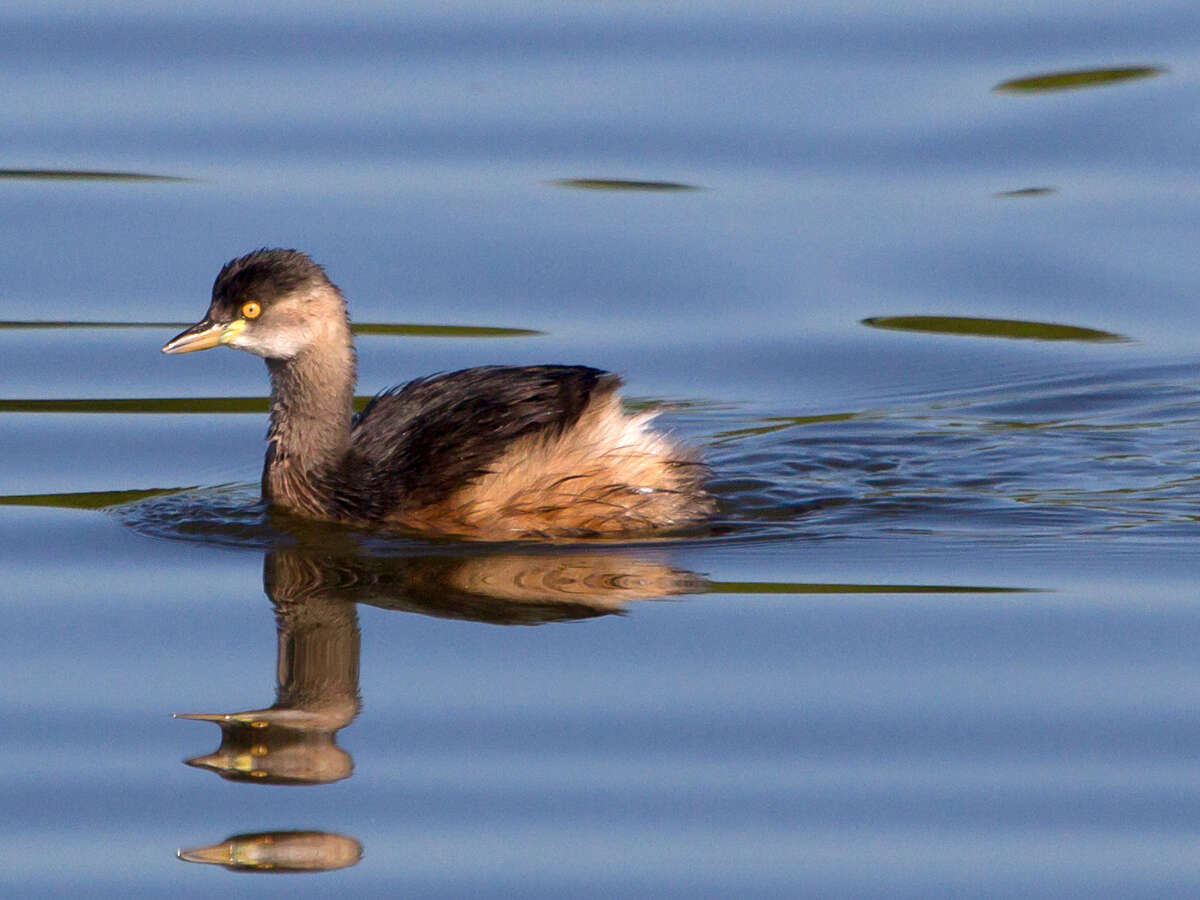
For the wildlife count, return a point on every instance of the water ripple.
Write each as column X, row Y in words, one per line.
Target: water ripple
column 1072, row 458
column 1065, row 459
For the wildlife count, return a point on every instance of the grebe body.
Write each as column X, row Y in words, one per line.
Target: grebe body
column 495, row 452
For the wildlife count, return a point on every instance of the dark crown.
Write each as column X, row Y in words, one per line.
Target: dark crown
column 267, row 274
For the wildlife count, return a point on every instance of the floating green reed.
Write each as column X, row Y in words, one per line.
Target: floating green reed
column 84, row 175
column 153, row 405
column 363, row 328
column 783, row 587
column 1076, row 79
column 1028, row 192
column 443, row 330
column 135, row 405
column 46, row 323
column 620, row 184
column 85, row 500
column 779, row 423
column 998, row 328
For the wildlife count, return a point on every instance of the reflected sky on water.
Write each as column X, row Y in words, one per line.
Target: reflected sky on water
column 920, row 283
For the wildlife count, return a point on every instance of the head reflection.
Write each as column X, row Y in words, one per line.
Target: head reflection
column 294, row 741
column 279, row 851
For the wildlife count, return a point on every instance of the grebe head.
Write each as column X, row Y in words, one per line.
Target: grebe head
column 274, row 303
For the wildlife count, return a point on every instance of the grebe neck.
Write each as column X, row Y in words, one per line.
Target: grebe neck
column 312, row 398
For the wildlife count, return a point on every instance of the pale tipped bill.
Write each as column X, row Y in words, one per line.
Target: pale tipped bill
column 204, row 335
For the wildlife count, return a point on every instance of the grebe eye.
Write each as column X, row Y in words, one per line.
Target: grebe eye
column 251, row 310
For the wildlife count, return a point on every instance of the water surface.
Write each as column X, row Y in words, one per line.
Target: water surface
column 921, row 285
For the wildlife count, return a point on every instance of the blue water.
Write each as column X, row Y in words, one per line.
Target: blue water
column 940, row 640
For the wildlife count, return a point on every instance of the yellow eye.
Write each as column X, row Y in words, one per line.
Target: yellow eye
column 251, row 309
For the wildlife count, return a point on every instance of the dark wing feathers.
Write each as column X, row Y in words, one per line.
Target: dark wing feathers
column 415, row 445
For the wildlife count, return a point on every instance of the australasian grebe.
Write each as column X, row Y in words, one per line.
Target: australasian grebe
column 493, row 452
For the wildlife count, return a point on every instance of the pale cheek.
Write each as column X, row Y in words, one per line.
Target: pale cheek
column 279, row 345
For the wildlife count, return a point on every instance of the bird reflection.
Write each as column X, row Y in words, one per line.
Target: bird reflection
column 314, row 592
column 315, row 588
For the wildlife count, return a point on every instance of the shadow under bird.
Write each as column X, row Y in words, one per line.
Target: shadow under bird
column 493, row 453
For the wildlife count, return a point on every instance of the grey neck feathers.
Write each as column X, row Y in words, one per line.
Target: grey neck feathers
column 312, row 397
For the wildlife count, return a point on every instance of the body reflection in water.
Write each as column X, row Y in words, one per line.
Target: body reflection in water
column 314, row 592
